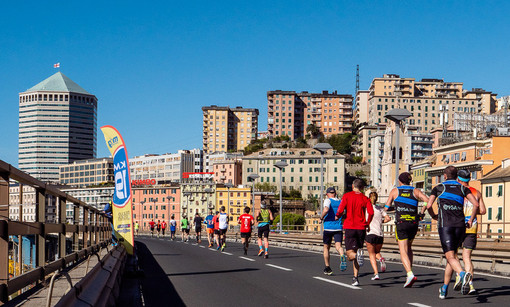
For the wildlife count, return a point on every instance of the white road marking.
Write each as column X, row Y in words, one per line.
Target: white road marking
column 245, row 258
column 338, row 283
column 419, row 305
column 202, row 246
column 227, row 253
column 278, row 267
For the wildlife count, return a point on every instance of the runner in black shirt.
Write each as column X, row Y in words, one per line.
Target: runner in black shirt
column 197, row 221
column 451, row 224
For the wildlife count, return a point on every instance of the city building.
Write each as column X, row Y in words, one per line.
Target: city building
column 57, row 126
column 228, row 129
column 22, row 205
column 290, row 113
column 234, row 199
column 156, row 202
column 96, row 197
column 313, row 221
column 495, row 192
column 220, row 157
column 361, row 108
column 84, row 173
column 230, row 171
column 303, row 170
column 165, row 168
column 431, row 101
column 197, row 197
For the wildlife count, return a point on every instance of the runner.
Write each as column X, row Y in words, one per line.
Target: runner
column 223, row 224
column 163, row 227
column 197, row 222
column 264, row 218
column 246, row 221
column 137, row 228
column 375, row 236
column 452, row 224
column 469, row 242
column 173, row 227
column 405, row 198
column 332, row 229
column 184, row 228
column 216, row 223
column 210, row 228
column 151, row 225
column 354, row 204
column 158, row 227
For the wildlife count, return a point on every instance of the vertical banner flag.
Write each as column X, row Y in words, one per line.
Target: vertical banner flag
column 122, row 208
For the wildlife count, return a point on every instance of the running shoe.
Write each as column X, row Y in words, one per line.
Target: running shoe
column 266, row 255
column 376, row 277
column 261, row 252
column 245, row 250
column 443, row 291
column 465, row 283
column 210, row 245
column 223, row 247
column 343, row 263
column 410, row 281
column 458, row 283
column 218, row 248
column 355, row 281
column 359, row 257
column 472, row 289
column 383, row 265
column 328, row 271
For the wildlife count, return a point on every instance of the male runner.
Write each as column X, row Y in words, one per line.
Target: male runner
column 355, row 204
column 158, row 227
column 163, row 227
column 151, row 225
column 184, row 228
column 137, row 228
column 216, row 223
column 452, row 224
column 264, row 218
column 173, row 227
column 332, row 229
column 405, row 198
column 469, row 242
column 210, row 228
column 198, row 226
column 375, row 236
column 223, row 225
column 246, row 221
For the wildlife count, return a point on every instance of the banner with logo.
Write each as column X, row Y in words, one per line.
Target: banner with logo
column 122, row 208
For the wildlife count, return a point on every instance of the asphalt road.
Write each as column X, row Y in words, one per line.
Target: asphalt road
column 178, row 273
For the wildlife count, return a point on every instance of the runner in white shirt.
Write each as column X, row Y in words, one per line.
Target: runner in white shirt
column 375, row 236
column 223, row 224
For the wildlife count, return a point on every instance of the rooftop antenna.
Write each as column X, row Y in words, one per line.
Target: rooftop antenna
column 357, row 87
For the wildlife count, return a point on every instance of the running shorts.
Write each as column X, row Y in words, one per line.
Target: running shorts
column 451, row 237
column 327, row 236
column 186, row 230
column 246, row 235
column 152, row 228
column 210, row 231
column 217, row 232
column 264, row 230
column 223, row 231
column 406, row 231
column 354, row 238
column 198, row 229
column 469, row 241
column 172, row 232
column 374, row 239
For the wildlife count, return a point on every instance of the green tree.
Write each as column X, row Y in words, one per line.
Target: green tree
column 313, row 131
column 312, row 202
column 265, row 187
column 296, row 194
column 342, row 143
column 290, row 219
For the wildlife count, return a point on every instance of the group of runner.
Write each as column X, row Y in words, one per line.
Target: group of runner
column 360, row 219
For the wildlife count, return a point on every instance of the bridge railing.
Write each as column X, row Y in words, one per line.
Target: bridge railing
column 52, row 243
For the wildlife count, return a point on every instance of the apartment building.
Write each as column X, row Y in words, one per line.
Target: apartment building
column 219, row 157
column 432, row 101
column 84, row 173
column 361, row 107
column 495, row 192
column 290, row 113
column 163, row 168
column 229, row 171
column 156, row 202
column 228, row 129
column 197, row 197
column 234, row 199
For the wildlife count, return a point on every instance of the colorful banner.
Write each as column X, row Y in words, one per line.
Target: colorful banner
column 122, row 208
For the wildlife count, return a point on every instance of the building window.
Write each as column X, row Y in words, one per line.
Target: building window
column 500, row 190
column 489, row 214
column 488, row 191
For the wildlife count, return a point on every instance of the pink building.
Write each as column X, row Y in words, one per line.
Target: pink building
column 155, row 202
column 230, row 171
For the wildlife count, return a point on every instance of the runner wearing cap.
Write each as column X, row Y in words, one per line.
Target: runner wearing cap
column 264, row 218
column 469, row 242
column 405, row 198
column 332, row 229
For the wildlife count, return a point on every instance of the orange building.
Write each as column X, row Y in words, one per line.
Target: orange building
column 155, row 202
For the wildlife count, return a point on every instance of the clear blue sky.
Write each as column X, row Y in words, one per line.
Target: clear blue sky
column 154, row 64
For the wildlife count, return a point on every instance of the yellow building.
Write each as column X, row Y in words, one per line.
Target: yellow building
column 239, row 198
column 313, row 221
column 496, row 196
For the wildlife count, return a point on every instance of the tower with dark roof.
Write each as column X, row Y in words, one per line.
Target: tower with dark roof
column 57, row 125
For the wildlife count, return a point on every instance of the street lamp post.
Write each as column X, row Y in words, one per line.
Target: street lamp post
column 322, row 148
column 397, row 116
column 141, row 203
column 281, row 165
column 168, row 198
column 252, row 178
column 228, row 185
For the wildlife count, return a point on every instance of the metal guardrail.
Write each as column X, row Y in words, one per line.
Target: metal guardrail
column 101, row 286
column 89, row 232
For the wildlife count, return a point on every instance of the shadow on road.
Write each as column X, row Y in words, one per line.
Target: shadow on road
column 485, row 294
column 213, row 272
column 156, row 287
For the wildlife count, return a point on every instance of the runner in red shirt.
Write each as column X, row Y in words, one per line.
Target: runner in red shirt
column 216, row 222
column 355, row 204
column 246, row 221
column 151, row 225
column 163, row 227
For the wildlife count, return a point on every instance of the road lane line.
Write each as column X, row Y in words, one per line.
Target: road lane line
column 278, row 267
column 338, row 283
column 245, row 258
column 419, row 305
column 227, row 253
column 202, row 246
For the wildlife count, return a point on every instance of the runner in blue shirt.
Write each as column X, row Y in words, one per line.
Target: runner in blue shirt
column 332, row 229
column 210, row 227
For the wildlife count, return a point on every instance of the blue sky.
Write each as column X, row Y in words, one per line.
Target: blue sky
column 154, row 64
